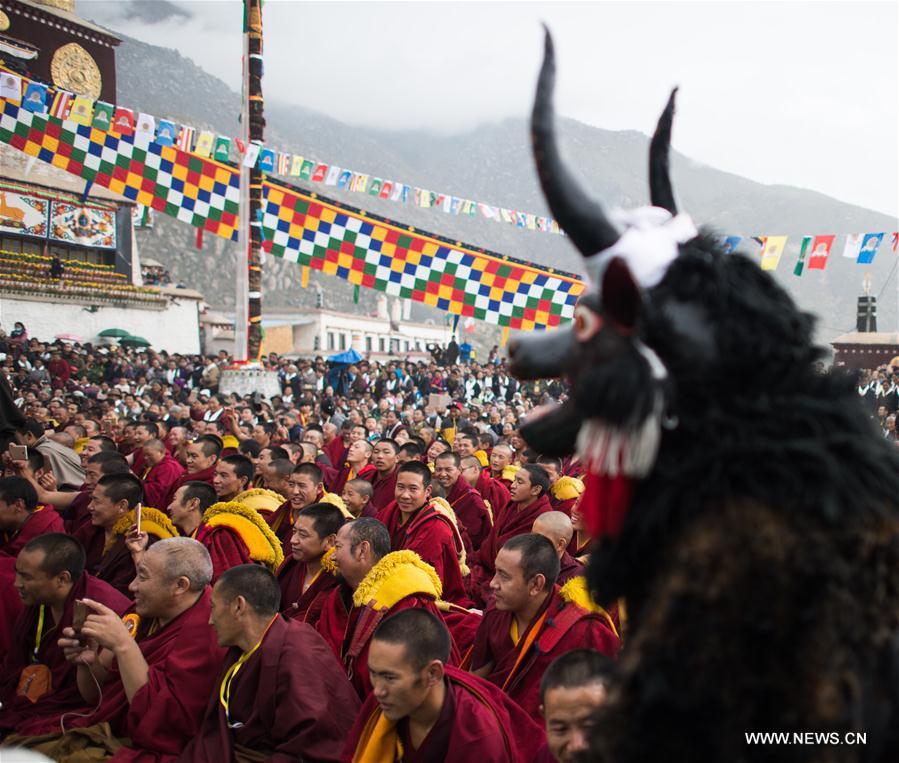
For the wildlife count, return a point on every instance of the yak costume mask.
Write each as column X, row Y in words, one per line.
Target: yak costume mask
column 744, row 506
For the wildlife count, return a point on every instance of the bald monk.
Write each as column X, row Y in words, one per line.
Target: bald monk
column 573, row 689
column 112, row 509
column 528, row 501
column 416, row 525
column 160, row 472
column 530, row 623
column 430, row 711
column 556, row 527
column 200, row 456
column 495, row 493
column 50, row 577
column 378, row 583
column 466, row 503
column 383, row 480
column 21, row 519
column 501, row 464
column 303, row 578
column 281, row 694
column 356, row 466
column 155, row 681
column 564, row 491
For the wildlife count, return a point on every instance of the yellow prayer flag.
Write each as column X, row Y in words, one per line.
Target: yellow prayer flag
column 772, row 251
column 82, row 110
column 204, row 143
column 296, row 165
column 502, row 342
column 304, row 277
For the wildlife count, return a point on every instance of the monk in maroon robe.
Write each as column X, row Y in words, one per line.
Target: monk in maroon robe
column 530, row 622
column 529, row 501
column 22, row 517
column 383, row 481
column 557, row 528
column 51, row 577
column 201, row 457
column 495, row 493
column 161, row 471
column 304, row 488
column 460, row 718
column 381, row 583
column 156, row 683
column 10, row 602
column 416, row 525
column 306, row 577
column 281, row 694
column 466, row 503
column 355, row 466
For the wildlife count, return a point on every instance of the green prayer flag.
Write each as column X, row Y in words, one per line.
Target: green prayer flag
column 306, row 169
column 800, row 263
column 356, row 290
column 103, row 113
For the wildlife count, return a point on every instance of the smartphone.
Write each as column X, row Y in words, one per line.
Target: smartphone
column 79, row 615
column 137, row 517
column 18, row 452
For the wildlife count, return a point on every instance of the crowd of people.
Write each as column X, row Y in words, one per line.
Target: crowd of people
column 378, row 571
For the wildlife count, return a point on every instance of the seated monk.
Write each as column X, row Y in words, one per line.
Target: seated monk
column 572, row 690
column 494, row 493
column 305, row 487
column 112, row 507
column 231, row 533
column 74, row 507
column 356, row 465
column 530, row 622
column 422, row 710
column 232, row 476
column 416, row 523
column 528, row 501
column 564, row 491
column 156, row 666
column 200, row 456
column 275, row 476
column 581, row 540
column 21, row 517
column 356, row 497
column 502, row 467
column 308, row 575
column 466, row 503
column 281, row 693
column 383, row 480
column 160, row 472
column 377, row 584
column 35, row 677
column 556, row 527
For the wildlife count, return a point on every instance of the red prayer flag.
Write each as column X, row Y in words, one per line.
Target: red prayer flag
column 819, row 252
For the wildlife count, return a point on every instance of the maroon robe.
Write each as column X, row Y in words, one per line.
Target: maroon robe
column 470, row 510
column 225, row 546
column 494, row 493
column 340, row 478
column 564, row 505
column 297, row 604
column 563, row 627
column 432, row 536
column 205, row 475
column 383, row 488
column 159, row 480
column 165, row 713
column 334, row 616
column 64, row 694
column 569, row 568
column 10, row 602
column 115, row 566
column 292, row 697
column 281, row 522
column 335, row 451
column 40, row 522
column 511, row 521
column 77, row 513
column 477, row 723
column 576, row 550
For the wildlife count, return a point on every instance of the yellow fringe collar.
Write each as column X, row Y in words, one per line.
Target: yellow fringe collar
column 260, row 499
column 253, row 530
column 327, row 561
column 510, row 471
column 336, row 500
column 442, row 506
column 567, row 487
column 396, row 576
column 152, row 522
column 575, row 591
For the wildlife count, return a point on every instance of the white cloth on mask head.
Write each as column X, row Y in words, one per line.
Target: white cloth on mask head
column 648, row 243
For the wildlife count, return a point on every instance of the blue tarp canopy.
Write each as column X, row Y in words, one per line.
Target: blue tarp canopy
column 348, row 356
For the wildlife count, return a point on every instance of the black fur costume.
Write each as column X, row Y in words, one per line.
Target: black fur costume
column 758, row 558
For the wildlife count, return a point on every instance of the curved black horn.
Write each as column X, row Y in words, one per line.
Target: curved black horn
column 660, row 192
column 582, row 218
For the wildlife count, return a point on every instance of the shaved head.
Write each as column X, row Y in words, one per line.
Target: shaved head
column 555, row 526
column 184, row 557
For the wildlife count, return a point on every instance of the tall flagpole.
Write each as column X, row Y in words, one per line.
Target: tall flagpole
column 248, row 307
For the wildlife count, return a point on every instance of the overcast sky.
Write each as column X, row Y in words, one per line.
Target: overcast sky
column 799, row 93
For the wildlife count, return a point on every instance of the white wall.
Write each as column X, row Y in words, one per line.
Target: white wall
column 175, row 329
